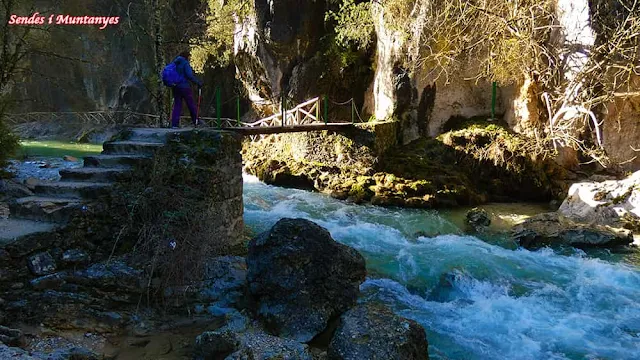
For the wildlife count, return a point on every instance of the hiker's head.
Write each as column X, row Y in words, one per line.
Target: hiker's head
column 186, row 54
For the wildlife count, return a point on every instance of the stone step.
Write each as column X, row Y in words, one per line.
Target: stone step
column 111, row 161
column 95, row 174
column 152, row 134
column 12, row 230
column 55, row 210
column 73, row 190
column 131, row 147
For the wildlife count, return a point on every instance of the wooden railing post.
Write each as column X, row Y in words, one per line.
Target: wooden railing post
column 353, row 110
column 326, row 110
column 238, row 109
column 218, row 106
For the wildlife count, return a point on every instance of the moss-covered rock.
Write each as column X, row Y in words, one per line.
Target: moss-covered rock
column 471, row 165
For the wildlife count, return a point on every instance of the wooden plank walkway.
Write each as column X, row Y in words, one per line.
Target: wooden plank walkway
column 302, row 118
column 264, row 130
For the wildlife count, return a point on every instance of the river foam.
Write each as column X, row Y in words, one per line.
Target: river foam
column 476, row 300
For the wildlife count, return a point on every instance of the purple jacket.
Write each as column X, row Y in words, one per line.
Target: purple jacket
column 184, row 69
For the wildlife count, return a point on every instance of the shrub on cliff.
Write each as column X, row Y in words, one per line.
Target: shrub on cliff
column 483, row 156
column 8, row 144
column 164, row 215
column 179, row 210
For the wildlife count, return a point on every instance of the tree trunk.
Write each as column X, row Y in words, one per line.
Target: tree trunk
column 156, row 24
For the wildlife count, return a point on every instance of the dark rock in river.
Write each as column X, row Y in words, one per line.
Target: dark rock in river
column 374, row 332
column 251, row 345
column 300, row 278
column 478, row 219
column 41, row 264
column 554, row 229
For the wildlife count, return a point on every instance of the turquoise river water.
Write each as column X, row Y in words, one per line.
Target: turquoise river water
column 476, row 299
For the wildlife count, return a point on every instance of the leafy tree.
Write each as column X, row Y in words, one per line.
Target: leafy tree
column 217, row 43
column 14, row 49
column 354, row 24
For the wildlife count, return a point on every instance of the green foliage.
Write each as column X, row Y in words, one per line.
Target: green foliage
column 166, row 202
column 8, row 144
column 354, row 24
column 343, row 57
column 476, row 157
column 217, row 44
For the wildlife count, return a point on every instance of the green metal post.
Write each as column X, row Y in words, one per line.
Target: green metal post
column 283, row 112
column 493, row 100
column 326, row 110
column 238, row 109
column 218, row 106
column 353, row 110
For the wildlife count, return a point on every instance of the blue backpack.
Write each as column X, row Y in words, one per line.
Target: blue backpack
column 170, row 75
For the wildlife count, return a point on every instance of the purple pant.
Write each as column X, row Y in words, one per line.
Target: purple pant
column 178, row 95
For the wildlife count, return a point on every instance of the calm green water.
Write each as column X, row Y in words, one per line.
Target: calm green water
column 477, row 299
column 55, row 149
column 44, row 159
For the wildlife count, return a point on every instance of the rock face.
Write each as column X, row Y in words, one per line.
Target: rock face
column 225, row 282
column 554, row 229
column 300, row 278
column 374, row 332
column 621, row 129
column 269, row 44
column 608, row 202
column 217, row 157
column 251, row 345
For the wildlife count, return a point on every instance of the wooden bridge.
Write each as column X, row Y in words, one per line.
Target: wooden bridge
column 302, row 118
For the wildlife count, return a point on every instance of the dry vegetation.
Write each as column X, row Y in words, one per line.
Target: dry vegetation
column 507, row 41
column 163, row 220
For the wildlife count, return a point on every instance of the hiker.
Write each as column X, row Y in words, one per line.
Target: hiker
column 182, row 88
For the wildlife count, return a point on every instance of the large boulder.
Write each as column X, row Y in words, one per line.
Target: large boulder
column 374, row 332
column 300, row 278
column 555, row 229
column 224, row 285
column 609, row 202
column 228, row 345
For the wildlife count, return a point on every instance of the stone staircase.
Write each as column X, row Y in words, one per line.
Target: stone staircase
column 54, row 202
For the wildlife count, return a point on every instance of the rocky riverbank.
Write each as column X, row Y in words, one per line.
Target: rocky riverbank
column 594, row 214
column 303, row 308
column 474, row 164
